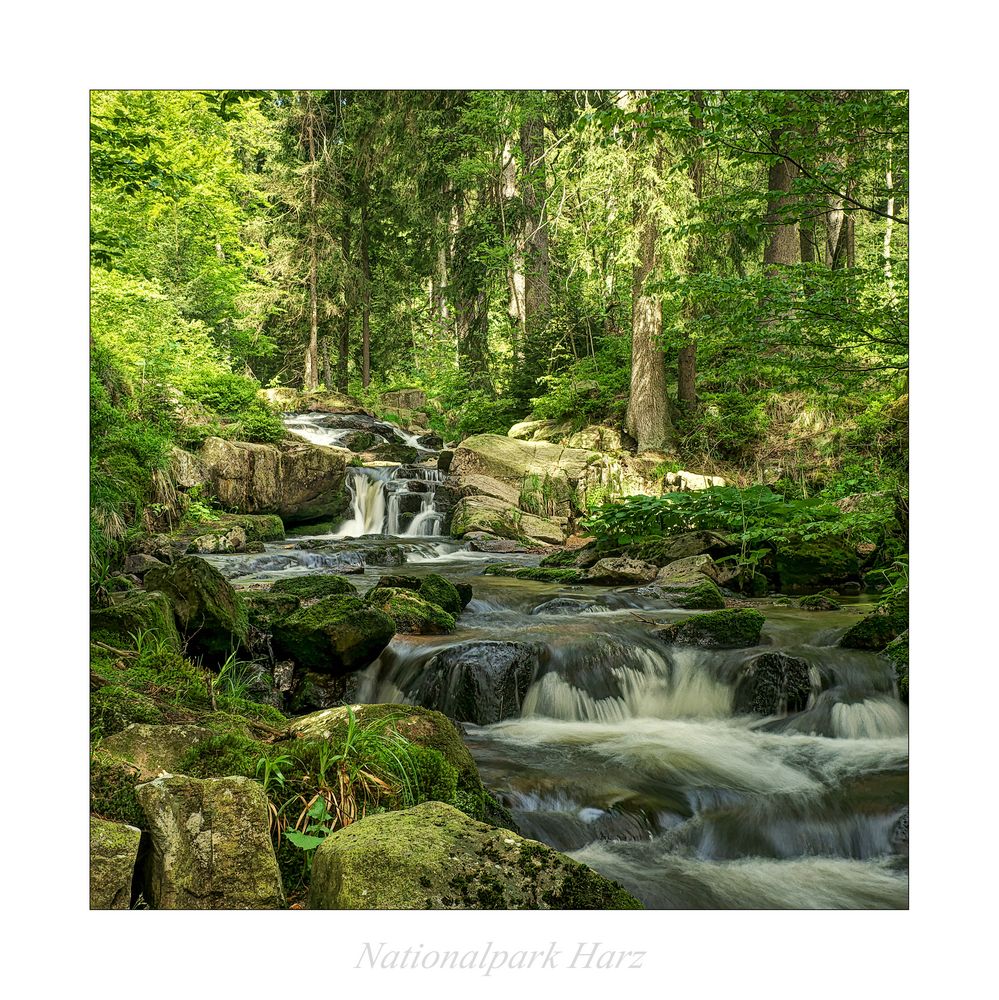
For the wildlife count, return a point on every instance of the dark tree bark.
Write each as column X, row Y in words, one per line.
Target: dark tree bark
column 365, row 300
column 686, row 361
column 783, row 243
column 310, row 376
column 537, row 261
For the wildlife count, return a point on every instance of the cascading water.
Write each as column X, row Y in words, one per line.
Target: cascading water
column 367, row 491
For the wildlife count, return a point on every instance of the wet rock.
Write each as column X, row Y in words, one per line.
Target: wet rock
column 620, row 571
column 819, row 602
column 886, row 623
column 496, row 545
column 385, row 555
column 313, row 586
column 358, row 441
column 728, row 629
column 480, row 682
column 431, row 441
column 208, row 610
column 411, row 614
column 211, row 842
column 334, row 636
column 564, row 606
column 773, row 684
column 134, row 614
column 444, row 460
column 267, row 609
column 897, row 651
column 689, row 583
column 114, row 848
column 437, row 590
column 435, row 857
column 312, row 692
column 900, row 833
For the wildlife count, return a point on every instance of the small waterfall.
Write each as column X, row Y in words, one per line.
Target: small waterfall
column 367, row 491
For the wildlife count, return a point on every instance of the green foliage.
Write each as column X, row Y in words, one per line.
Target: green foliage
column 589, row 389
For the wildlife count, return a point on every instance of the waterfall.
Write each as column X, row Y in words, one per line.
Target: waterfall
column 367, row 491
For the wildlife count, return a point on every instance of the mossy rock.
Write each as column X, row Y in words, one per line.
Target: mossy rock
column 399, row 580
column 898, row 652
column 211, row 845
column 540, row 573
column 208, row 610
column 436, row 857
column 113, row 708
column 819, row 602
column 221, row 755
column 885, row 623
column 266, row 609
column 112, row 789
column 313, row 586
column 325, row 527
column 336, row 635
column 411, row 613
column 114, row 848
column 562, row 559
column 733, row 628
column 806, row 565
column 699, row 595
column 139, row 612
column 155, row 748
column 437, row 590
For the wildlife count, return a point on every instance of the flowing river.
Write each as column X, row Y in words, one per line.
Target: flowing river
column 632, row 756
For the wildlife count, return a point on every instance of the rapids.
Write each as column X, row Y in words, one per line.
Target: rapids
column 632, row 755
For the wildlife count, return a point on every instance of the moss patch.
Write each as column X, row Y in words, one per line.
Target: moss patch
column 436, row 590
column 136, row 614
column 729, row 629
column 540, row 573
column 314, row 585
column 113, row 708
column 887, row 622
column 411, row 613
column 112, row 789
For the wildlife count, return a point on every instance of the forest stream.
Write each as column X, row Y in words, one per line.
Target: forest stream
column 629, row 755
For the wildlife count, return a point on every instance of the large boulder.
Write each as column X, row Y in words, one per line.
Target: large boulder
column 231, row 539
column 296, row 480
column 689, row 583
column 114, row 848
column 540, row 430
column 421, row 726
column 313, row 586
column 728, row 629
column 511, row 460
column 336, row 635
column 211, row 844
column 596, row 437
column 620, row 572
column 480, row 681
column 136, row 613
column 440, row 591
column 885, row 623
column 411, row 613
column 821, row 562
column 482, row 513
column 773, row 684
column 154, row 749
column 434, row 857
column 208, row 610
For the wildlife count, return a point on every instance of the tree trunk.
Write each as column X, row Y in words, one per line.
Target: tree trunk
column 648, row 419
column 366, row 301
column 324, row 357
column 343, row 351
column 537, row 270
column 890, row 210
column 310, row 378
column 515, row 271
column 783, row 244
column 686, row 361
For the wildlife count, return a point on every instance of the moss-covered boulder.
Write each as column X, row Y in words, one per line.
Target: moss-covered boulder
column 435, row 857
column 113, row 708
column 154, row 749
column 773, row 684
column 819, row 602
column 817, row 563
column 411, row 613
column 114, row 848
column 437, row 590
column 112, row 788
column 135, row 613
column 421, row 726
column 688, row 583
column 663, row 551
column 266, row 608
column 208, row 610
column 336, row 635
column 212, row 846
column 621, row 571
column 543, row 574
column 217, row 540
column 898, row 652
column 732, row 628
column 313, row 586
column 885, row 623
